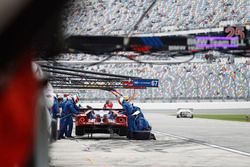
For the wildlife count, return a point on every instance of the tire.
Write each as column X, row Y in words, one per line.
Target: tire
column 142, row 135
column 79, row 131
column 177, row 116
column 192, row 116
column 123, row 132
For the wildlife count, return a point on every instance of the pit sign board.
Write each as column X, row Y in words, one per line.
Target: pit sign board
column 146, row 82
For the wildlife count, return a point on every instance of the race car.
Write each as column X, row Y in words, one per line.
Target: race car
column 185, row 113
column 98, row 120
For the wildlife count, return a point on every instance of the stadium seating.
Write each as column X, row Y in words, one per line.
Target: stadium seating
column 183, row 82
column 117, row 17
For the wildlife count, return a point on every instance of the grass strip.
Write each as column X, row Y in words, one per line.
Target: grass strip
column 241, row 118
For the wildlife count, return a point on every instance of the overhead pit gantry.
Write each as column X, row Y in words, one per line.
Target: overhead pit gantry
column 69, row 78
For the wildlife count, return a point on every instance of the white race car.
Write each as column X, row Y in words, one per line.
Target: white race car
column 185, row 113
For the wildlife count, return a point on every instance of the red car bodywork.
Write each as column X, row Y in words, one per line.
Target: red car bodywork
column 101, row 123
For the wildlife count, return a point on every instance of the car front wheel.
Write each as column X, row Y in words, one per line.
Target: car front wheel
column 79, row 131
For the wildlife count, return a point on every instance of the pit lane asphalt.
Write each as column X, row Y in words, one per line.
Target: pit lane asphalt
column 234, row 135
column 180, row 142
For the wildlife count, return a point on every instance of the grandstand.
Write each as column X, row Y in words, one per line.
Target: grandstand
column 113, row 17
column 199, row 79
column 185, row 82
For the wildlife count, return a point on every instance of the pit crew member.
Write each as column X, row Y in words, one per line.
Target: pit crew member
column 108, row 105
column 66, row 122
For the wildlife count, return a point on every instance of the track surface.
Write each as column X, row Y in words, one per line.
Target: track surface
column 235, row 135
column 180, row 142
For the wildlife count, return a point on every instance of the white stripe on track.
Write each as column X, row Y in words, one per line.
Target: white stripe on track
column 205, row 143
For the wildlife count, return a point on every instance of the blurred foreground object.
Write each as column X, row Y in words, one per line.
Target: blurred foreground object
column 28, row 28
column 19, row 102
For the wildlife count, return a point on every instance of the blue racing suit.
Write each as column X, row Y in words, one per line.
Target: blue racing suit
column 135, row 108
column 74, row 110
column 61, row 105
column 142, row 124
column 128, row 110
column 66, row 122
column 140, row 121
column 55, row 109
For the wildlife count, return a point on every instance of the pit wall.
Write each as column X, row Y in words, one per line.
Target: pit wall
column 174, row 106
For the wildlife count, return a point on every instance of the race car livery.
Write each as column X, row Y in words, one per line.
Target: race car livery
column 185, row 113
column 101, row 121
